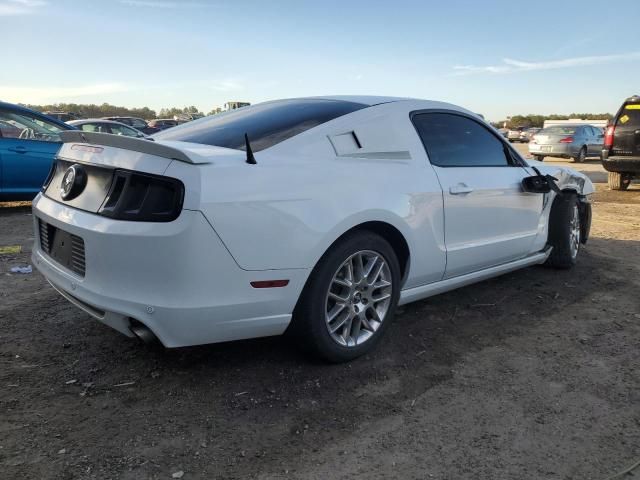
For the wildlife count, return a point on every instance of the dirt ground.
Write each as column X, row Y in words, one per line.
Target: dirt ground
column 533, row 375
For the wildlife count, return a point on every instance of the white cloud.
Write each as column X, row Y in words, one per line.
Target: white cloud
column 510, row 66
column 20, row 7
column 56, row 94
column 227, row 86
column 161, row 4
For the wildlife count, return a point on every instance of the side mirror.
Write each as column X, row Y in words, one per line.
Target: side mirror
column 536, row 184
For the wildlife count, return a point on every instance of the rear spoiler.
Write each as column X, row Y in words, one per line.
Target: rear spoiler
column 128, row 143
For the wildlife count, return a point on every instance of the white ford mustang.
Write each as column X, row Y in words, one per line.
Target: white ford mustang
column 314, row 215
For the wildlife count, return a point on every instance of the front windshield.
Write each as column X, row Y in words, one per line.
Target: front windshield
column 28, row 127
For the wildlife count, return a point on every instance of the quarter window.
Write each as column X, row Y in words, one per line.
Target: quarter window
column 266, row 124
column 455, row 141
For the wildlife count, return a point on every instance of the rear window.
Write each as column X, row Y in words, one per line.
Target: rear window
column 630, row 115
column 558, row 131
column 266, row 124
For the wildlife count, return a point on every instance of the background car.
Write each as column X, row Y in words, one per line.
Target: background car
column 106, row 126
column 28, row 142
column 163, row 123
column 525, row 135
column 187, row 117
column 513, row 135
column 621, row 151
column 567, row 141
column 135, row 122
column 63, row 116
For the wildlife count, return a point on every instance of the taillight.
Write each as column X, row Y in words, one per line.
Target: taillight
column 143, row 197
column 608, row 136
column 566, row 140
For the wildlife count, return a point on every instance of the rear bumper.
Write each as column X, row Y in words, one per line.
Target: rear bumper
column 556, row 150
column 176, row 278
column 620, row 164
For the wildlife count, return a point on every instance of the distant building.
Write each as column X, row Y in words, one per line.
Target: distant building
column 235, row 105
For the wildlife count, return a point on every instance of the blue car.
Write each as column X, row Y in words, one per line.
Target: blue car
column 28, row 143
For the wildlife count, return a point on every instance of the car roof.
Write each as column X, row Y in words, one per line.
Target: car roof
column 369, row 100
column 570, row 125
column 97, row 120
column 122, row 116
column 29, row 111
column 411, row 104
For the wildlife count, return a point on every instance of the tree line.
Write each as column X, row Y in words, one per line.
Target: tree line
column 106, row 110
column 533, row 120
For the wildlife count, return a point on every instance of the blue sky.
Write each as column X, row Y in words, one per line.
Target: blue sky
column 499, row 58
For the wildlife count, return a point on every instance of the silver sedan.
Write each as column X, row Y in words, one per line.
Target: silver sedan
column 567, row 141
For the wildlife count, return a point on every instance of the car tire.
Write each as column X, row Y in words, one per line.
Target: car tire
column 311, row 326
column 618, row 181
column 539, row 158
column 564, row 231
column 581, row 157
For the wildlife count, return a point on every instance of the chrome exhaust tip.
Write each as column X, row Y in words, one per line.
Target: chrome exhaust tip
column 143, row 332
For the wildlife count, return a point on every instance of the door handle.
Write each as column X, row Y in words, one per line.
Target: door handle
column 17, row 149
column 460, row 189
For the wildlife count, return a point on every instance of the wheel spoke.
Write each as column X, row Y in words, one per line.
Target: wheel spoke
column 365, row 323
column 347, row 328
column 343, row 282
column 349, row 267
column 359, row 268
column 381, row 297
column 337, row 298
column 339, row 324
column 381, row 284
column 335, row 311
column 374, row 314
column 371, row 264
column 355, row 328
column 376, row 274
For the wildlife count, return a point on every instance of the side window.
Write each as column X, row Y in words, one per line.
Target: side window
column 456, row 141
column 27, row 127
column 89, row 127
column 122, row 130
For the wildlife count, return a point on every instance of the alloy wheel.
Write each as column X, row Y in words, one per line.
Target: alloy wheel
column 358, row 298
column 574, row 231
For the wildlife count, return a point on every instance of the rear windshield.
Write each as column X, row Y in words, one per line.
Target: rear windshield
column 630, row 115
column 558, row 131
column 265, row 124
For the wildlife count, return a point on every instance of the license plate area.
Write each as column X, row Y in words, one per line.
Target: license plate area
column 546, row 148
column 63, row 247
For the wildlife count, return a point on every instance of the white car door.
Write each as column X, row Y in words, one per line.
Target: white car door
column 489, row 219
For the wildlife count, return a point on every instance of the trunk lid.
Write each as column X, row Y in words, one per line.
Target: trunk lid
column 105, row 164
column 553, row 135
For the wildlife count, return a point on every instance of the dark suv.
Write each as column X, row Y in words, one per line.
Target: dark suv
column 621, row 153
